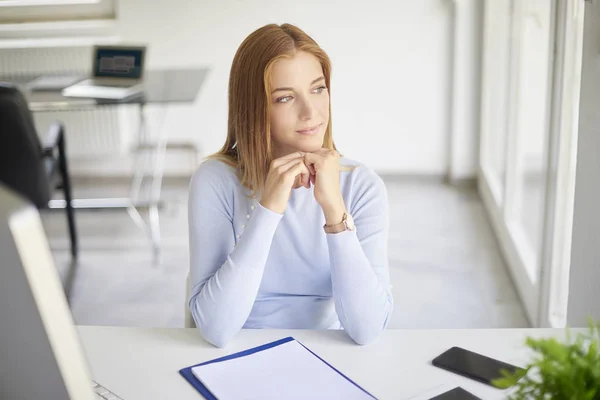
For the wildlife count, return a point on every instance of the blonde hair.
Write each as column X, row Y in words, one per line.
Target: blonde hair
column 248, row 145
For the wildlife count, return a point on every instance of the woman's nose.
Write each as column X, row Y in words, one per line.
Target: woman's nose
column 307, row 110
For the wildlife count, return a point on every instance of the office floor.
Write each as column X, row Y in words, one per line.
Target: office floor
column 445, row 265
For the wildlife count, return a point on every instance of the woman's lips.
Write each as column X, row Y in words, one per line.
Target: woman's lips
column 310, row 131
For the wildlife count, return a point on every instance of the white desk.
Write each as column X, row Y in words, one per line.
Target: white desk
column 143, row 363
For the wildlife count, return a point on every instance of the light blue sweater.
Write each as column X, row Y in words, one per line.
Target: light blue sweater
column 254, row 268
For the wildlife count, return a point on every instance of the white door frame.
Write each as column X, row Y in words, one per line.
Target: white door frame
column 533, row 286
column 562, row 157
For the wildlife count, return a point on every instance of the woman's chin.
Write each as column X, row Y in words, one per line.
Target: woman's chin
column 310, row 147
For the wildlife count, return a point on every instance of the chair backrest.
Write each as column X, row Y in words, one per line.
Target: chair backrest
column 189, row 320
column 21, row 153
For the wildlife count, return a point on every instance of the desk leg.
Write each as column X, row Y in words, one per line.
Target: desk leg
column 158, row 157
column 139, row 171
column 155, row 190
column 134, row 203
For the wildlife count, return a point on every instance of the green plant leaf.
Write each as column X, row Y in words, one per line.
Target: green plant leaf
column 503, row 383
column 559, row 370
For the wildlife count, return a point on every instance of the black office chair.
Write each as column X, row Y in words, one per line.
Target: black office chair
column 25, row 166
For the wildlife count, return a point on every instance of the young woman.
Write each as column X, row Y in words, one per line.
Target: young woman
column 284, row 232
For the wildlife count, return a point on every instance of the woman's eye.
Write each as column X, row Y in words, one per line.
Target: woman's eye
column 284, row 99
column 287, row 99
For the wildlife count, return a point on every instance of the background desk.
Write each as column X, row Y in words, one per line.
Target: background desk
column 161, row 87
column 143, row 363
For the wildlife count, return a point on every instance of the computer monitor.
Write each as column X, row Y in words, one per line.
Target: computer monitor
column 41, row 356
column 118, row 62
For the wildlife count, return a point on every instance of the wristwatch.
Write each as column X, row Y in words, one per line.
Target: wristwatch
column 347, row 224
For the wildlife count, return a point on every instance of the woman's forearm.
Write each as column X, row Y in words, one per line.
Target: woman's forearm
column 360, row 290
column 221, row 303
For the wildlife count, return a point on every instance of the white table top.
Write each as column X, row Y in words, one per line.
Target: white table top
column 143, row 363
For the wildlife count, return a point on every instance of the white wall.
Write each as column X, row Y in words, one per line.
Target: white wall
column 391, row 69
column 584, row 282
column 466, row 88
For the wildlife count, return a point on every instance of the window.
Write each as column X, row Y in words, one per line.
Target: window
column 39, row 11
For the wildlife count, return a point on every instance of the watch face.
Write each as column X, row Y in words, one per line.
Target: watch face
column 349, row 222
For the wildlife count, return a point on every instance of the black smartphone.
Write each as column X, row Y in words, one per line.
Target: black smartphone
column 457, row 393
column 473, row 365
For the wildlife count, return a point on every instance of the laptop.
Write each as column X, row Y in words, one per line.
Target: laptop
column 42, row 356
column 117, row 73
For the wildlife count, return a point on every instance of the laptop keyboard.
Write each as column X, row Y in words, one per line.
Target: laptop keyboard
column 109, row 85
column 103, row 393
column 97, row 92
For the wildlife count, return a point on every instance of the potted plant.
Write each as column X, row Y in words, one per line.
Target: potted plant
column 559, row 370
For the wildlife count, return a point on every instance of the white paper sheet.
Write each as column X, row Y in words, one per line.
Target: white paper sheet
column 287, row 371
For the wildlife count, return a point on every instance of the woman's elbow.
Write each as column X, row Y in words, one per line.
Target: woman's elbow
column 215, row 337
column 367, row 333
column 214, row 331
column 364, row 337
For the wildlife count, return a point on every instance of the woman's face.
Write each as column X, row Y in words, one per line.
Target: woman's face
column 299, row 104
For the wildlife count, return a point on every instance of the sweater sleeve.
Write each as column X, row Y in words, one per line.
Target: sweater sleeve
column 359, row 263
column 225, row 278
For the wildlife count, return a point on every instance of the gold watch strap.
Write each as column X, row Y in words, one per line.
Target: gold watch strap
column 337, row 228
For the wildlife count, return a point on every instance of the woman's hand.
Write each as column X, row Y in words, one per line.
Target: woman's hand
column 324, row 167
column 285, row 173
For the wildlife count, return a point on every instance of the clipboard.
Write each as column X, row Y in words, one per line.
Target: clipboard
column 195, row 382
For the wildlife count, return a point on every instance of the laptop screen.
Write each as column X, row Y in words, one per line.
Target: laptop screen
column 118, row 63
